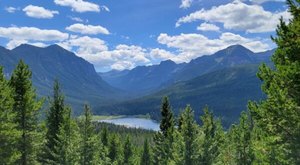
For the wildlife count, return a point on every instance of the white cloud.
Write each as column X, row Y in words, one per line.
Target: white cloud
column 87, row 29
column 77, row 19
column 84, row 46
column 124, row 57
column 32, row 33
column 11, row 9
column 158, row 55
column 39, row 12
column 79, row 5
column 186, row 3
column 239, row 16
column 105, row 8
column 96, row 52
column 208, row 27
column 14, row 43
column 193, row 45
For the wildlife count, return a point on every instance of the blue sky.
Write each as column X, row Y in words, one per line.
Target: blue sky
column 123, row 34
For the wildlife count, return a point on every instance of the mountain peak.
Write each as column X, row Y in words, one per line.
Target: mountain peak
column 26, row 46
column 167, row 62
column 54, row 46
column 237, row 48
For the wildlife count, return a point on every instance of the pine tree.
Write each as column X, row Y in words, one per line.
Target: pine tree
column 167, row 122
column 8, row 128
column 146, row 158
column 279, row 114
column 178, row 149
column 66, row 150
column 88, row 154
column 164, row 138
column 115, row 152
column 104, row 136
column 242, row 140
column 53, row 123
column 213, row 137
column 128, row 152
column 189, row 132
column 26, row 108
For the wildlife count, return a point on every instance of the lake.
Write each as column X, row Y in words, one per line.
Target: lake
column 134, row 122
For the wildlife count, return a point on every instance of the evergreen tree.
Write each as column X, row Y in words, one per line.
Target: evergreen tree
column 242, row 141
column 104, row 136
column 115, row 152
column 66, row 150
column 164, row 138
column 189, row 132
column 167, row 121
column 213, row 137
column 8, row 128
column 128, row 152
column 279, row 114
column 146, row 158
column 53, row 123
column 88, row 154
column 178, row 149
column 26, row 108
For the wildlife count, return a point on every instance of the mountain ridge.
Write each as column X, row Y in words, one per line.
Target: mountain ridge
column 231, row 56
column 79, row 79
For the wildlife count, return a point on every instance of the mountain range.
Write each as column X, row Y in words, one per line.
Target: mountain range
column 146, row 79
column 78, row 78
column 225, row 81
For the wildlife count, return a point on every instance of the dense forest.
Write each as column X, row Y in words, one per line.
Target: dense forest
column 267, row 133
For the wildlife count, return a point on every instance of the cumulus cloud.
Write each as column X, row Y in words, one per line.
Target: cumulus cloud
column 11, row 9
column 79, row 5
column 186, row 3
column 239, row 16
column 14, row 43
column 194, row 45
column 39, row 12
column 32, row 33
column 208, row 27
column 87, row 29
column 96, row 52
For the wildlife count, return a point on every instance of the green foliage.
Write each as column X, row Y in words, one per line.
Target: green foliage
column 213, row 137
column 9, row 134
column 115, row 150
column 88, row 143
column 104, row 136
column 146, row 158
column 53, row 123
column 167, row 121
column 279, row 115
column 128, row 152
column 26, row 108
column 66, row 150
column 189, row 132
column 242, row 140
column 164, row 138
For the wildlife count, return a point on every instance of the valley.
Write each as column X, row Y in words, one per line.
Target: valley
column 224, row 81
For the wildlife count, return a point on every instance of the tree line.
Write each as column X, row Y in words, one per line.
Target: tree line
column 267, row 133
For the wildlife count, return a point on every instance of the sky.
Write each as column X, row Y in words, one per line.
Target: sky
column 123, row 34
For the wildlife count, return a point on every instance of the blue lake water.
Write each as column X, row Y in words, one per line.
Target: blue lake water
column 134, row 123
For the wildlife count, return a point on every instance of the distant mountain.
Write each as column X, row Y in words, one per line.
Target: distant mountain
column 146, row 79
column 225, row 91
column 232, row 56
column 80, row 82
column 142, row 79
